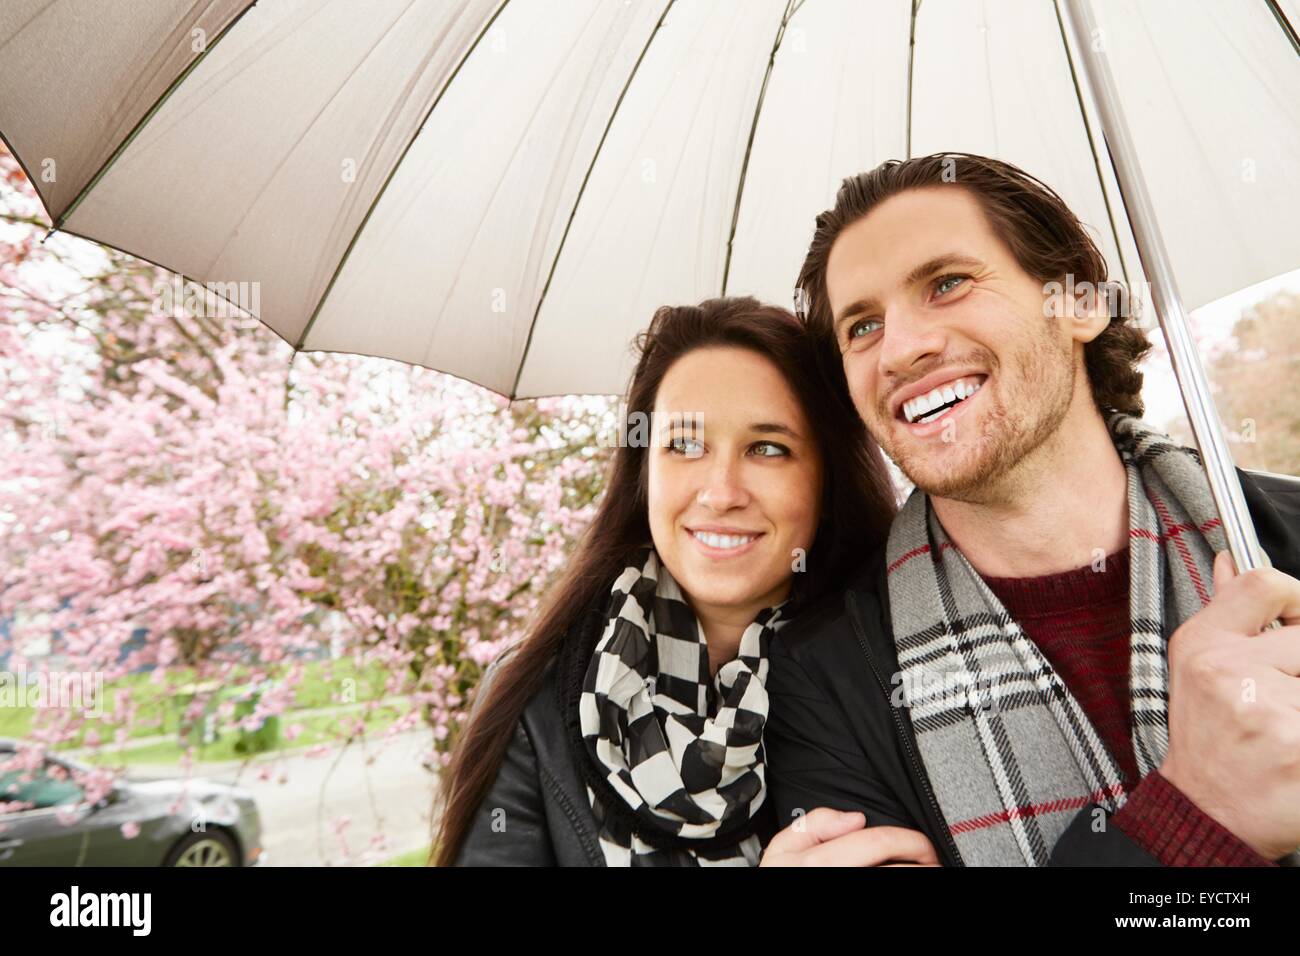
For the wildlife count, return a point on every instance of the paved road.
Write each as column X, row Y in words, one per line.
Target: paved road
column 383, row 790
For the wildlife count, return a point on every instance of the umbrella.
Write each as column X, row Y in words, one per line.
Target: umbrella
column 505, row 189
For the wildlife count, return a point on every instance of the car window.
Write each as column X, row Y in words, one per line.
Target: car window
column 48, row 787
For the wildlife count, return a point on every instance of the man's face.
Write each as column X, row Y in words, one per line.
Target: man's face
column 950, row 359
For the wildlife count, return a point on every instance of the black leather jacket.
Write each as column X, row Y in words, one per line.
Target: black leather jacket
column 833, row 739
column 537, row 796
column 537, row 811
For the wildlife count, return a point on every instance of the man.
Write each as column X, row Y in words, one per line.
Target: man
column 1052, row 660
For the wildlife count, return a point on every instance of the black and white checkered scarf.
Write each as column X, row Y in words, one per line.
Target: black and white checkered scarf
column 1010, row 752
column 682, row 749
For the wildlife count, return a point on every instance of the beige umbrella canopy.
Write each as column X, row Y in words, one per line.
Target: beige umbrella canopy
column 506, row 189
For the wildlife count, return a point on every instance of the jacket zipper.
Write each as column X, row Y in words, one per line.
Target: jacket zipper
column 937, row 820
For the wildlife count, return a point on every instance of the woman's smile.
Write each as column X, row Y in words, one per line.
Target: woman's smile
column 719, row 543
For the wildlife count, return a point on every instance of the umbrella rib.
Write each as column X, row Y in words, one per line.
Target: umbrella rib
column 144, row 121
column 1092, row 144
column 1287, row 27
column 790, row 9
column 379, row 194
column 911, row 58
column 577, row 201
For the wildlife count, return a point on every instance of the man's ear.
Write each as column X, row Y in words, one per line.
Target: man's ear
column 1088, row 311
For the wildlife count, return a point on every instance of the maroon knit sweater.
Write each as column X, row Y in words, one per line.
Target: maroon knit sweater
column 1080, row 621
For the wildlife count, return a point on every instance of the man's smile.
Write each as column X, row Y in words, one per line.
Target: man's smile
column 934, row 398
column 932, row 404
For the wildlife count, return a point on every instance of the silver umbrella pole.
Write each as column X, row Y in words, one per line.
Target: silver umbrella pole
column 1224, row 485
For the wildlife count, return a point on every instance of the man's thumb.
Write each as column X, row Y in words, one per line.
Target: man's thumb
column 1224, row 569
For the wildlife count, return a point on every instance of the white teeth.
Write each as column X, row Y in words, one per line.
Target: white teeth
column 918, row 408
column 727, row 541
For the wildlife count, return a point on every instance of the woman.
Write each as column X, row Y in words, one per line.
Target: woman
column 626, row 728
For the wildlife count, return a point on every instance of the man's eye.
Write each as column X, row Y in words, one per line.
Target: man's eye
column 690, row 447
column 862, row 328
column 769, row 449
column 948, row 283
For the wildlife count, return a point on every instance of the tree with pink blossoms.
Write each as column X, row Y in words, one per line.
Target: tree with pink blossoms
column 181, row 494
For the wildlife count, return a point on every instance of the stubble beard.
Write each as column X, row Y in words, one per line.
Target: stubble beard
column 976, row 469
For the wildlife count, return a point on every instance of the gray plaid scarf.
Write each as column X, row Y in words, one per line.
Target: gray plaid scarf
column 1011, row 753
column 682, row 749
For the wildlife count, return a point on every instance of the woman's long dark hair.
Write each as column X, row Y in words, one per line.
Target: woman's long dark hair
column 858, row 504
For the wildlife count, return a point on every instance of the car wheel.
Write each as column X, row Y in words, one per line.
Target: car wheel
column 213, row 848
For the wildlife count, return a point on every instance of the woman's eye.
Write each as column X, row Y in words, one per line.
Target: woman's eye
column 948, row 283
column 769, row 449
column 690, row 447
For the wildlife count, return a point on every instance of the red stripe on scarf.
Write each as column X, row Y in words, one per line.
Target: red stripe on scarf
column 1175, row 532
column 923, row 549
column 1034, row 810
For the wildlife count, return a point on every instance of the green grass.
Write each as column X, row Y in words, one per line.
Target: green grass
column 317, row 690
column 152, row 711
column 323, row 684
column 418, row 857
column 15, row 721
column 317, row 729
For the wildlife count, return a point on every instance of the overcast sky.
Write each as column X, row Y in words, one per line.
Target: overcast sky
column 1213, row 327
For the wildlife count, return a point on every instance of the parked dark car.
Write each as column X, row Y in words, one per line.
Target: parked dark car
column 181, row 823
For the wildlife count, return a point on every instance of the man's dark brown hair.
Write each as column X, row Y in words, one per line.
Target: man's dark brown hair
column 1046, row 238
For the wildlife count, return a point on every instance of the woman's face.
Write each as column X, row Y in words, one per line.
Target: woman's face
column 735, row 481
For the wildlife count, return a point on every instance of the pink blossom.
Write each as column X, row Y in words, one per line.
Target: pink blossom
column 194, row 505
